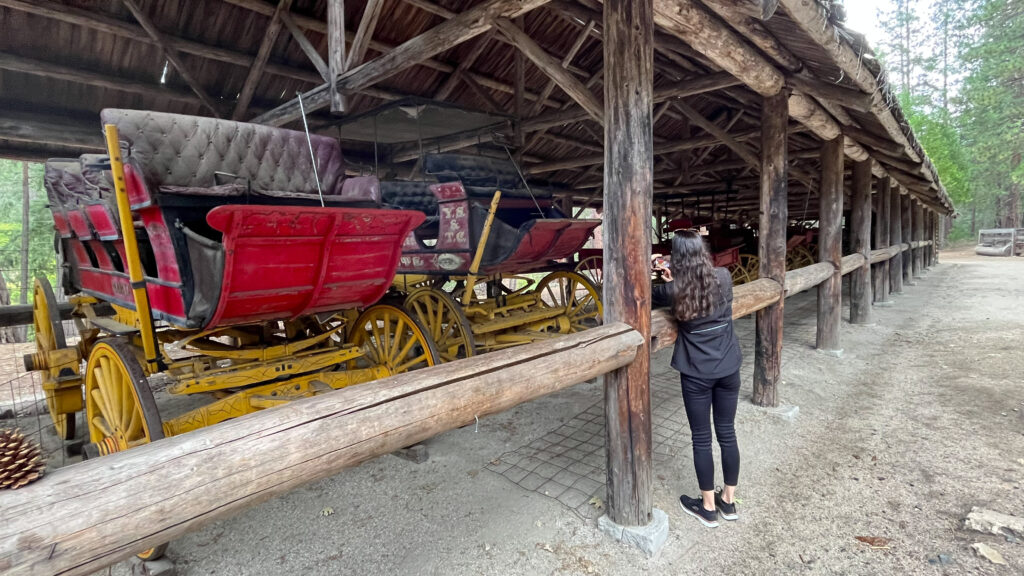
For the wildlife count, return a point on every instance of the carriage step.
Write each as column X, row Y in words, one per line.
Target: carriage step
column 113, row 326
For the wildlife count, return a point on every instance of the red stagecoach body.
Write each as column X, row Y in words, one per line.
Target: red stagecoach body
column 256, row 246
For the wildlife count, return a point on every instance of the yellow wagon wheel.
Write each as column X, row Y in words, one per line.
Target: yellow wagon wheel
column 393, row 339
column 49, row 334
column 119, row 406
column 445, row 322
column 577, row 295
column 591, row 269
column 752, row 264
column 739, row 274
column 804, row 256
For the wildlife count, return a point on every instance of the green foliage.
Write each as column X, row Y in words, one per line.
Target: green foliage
column 961, row 78
column 41, row 256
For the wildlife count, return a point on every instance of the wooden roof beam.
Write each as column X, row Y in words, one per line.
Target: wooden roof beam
column 711, row 128
column 305, row 45
column 755, row 31
column 37, row 128
column 552, row 68
column 452, row 80
column 61, row 72
column 367, row 25
column 444, row 36
column 852, row 99
column 252, row 79
column 172, row 55
column 669, row 148
column 692, row 24
column 577, row 45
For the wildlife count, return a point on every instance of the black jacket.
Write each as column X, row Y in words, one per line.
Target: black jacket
column 706, row 347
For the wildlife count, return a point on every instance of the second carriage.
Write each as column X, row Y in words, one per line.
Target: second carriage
column 488, row 268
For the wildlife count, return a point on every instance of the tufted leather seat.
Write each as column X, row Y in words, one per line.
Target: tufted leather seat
column 409, row 196
column 53, row 180
column 195, row 155
column 96, row 173
column 481, row 175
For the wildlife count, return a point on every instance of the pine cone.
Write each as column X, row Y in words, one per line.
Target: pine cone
column 20, row 460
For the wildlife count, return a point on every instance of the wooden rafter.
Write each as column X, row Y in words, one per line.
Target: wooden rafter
column 581, row 38
column 547, row 63
column 256, row 72
column 453, row 79
column 75, row 74
column 367, row 25
column 171, row 55
column 305, row 45
column 444, row 36
column 337, row 63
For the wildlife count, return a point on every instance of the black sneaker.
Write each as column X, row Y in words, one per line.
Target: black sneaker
column 695, row 507
column 728, row 511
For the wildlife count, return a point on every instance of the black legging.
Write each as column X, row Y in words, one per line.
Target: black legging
column 700, row 396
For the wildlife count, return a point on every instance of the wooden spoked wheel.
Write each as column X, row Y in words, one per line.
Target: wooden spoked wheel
column 799, row 257
column 392, row 339
column 49, row 334
column 591, row 269
column 444, row 321
column 119, row 406
column 576, row 295
column 747, row 269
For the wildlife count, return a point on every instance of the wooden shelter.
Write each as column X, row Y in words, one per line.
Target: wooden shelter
column 763, row 111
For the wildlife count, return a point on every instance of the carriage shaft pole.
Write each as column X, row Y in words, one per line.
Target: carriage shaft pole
column 131, row 248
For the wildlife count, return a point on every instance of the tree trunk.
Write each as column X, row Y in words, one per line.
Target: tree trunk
column 7, row 333
column 26, row 285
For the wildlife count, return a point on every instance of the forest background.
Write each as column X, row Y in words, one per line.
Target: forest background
column 957, row 65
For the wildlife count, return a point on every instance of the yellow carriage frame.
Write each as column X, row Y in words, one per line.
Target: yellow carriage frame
column 467, row 315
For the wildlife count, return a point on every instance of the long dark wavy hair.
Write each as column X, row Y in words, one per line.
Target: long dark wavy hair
column 694, row 284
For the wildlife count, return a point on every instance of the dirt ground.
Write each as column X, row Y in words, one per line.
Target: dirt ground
column 920, row 420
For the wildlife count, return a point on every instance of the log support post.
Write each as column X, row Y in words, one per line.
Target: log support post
column 628, row 198
column 895, row 267
column 830, row 246
column 929, row 251
column 917, row 228
column 877, row 243
column 886, row 237
column 336, row 59
column 908, row 255
column 860, row 236
column 772, row 245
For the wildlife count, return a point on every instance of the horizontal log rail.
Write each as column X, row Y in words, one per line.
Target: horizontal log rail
column 81, row 518
column 753, row 296
column 21, row 314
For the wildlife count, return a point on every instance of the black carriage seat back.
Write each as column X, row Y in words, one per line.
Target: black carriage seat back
column 482, row 175
column 412, row 195
column 198, row 156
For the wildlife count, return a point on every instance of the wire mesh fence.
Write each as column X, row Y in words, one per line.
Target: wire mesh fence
column 22, row 400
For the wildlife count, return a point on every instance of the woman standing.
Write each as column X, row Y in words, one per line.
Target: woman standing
column 708, row 359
